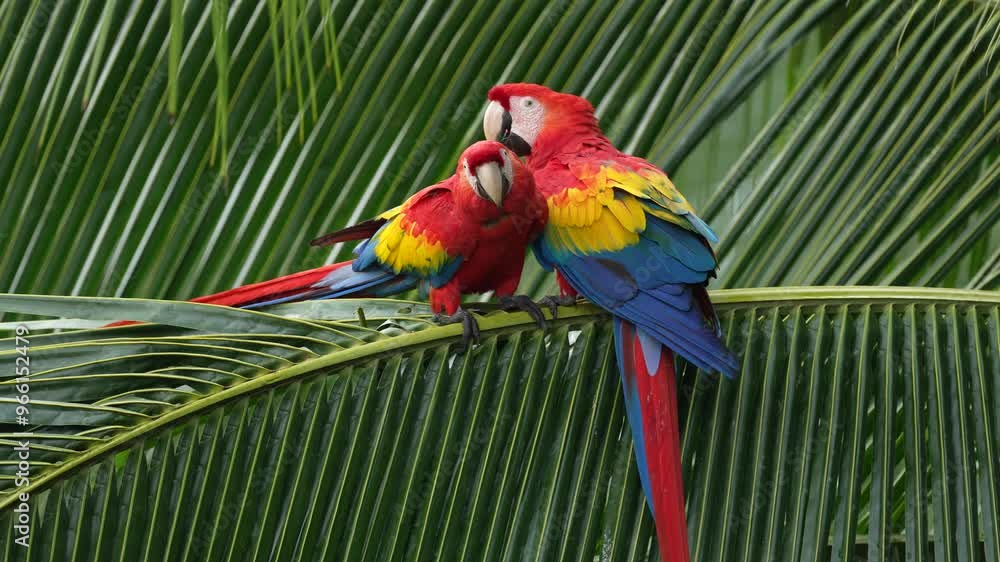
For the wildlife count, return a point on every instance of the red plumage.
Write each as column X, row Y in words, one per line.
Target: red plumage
column 490, row 240
column 272, row 289
column 657, row 396
column 450, row 223
column 569, row 156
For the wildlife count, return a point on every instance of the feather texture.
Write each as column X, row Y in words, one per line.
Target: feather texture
column 622, row 235
column 445, row 238
column 652, row 283
column 650, row 387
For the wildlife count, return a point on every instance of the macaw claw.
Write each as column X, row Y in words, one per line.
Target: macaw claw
column 554, row 302
column 470, row 327
column 524, row 302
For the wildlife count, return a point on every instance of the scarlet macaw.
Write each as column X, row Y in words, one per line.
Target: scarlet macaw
column 620, row 234
column 467, row 234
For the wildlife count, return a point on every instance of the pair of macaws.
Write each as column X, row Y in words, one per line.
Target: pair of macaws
column 614, row 228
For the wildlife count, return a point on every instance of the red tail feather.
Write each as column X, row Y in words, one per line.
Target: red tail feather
column 658, row 394
column 289, row 285
column 651, row 395
column 272, row 289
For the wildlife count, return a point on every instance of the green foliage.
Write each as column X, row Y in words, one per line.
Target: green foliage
column 861, row 416
column 873, row 124
column 172, row 149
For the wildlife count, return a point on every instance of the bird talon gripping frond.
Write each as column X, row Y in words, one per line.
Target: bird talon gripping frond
column 470, row 326
column 524, row 303
column 553, row 302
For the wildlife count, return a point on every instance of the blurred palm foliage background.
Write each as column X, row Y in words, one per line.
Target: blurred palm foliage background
column 172, row 149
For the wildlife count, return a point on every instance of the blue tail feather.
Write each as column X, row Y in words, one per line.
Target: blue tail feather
column 346, row 282
column 633, row 410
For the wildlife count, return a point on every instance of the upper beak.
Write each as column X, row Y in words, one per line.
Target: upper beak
column 493, row 122
column 491, row 183
column 497, row 125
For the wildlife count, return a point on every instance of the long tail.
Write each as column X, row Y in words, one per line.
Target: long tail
column 256, row 294
column 288, row 286
column 329, row 281
column 650, row 387
column 337, row 280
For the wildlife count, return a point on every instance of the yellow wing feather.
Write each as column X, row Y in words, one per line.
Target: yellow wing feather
column 609, row 211
column 391, row 213
column 655, row 187
column 401, row 246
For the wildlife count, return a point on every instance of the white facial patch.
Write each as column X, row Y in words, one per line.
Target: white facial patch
column 508, row 166
column 469, row 178
column 526, row 115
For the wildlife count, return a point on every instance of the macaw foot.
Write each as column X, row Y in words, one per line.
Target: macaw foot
column 524, row 302
column 470, row 328
column 554, row 302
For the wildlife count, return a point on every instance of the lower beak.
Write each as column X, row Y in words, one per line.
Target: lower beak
column 517, row 144
column 491, row 183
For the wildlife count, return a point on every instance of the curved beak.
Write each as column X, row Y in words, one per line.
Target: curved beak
column 491, row 183
column 494, row 121
column 497, row 125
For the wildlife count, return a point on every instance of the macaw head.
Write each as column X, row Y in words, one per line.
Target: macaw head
column 487, row 170
column 524, row 116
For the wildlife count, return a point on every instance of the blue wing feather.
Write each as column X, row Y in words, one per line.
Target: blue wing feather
column 702, row 228
column 652, row 284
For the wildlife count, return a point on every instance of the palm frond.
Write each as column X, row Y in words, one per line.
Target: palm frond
column 864, row 422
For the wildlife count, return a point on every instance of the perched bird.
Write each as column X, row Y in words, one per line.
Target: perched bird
column 466, row 234
column 620, row 234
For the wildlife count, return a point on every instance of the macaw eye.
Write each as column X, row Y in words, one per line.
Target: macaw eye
column 528, row 102
column 468, row 174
